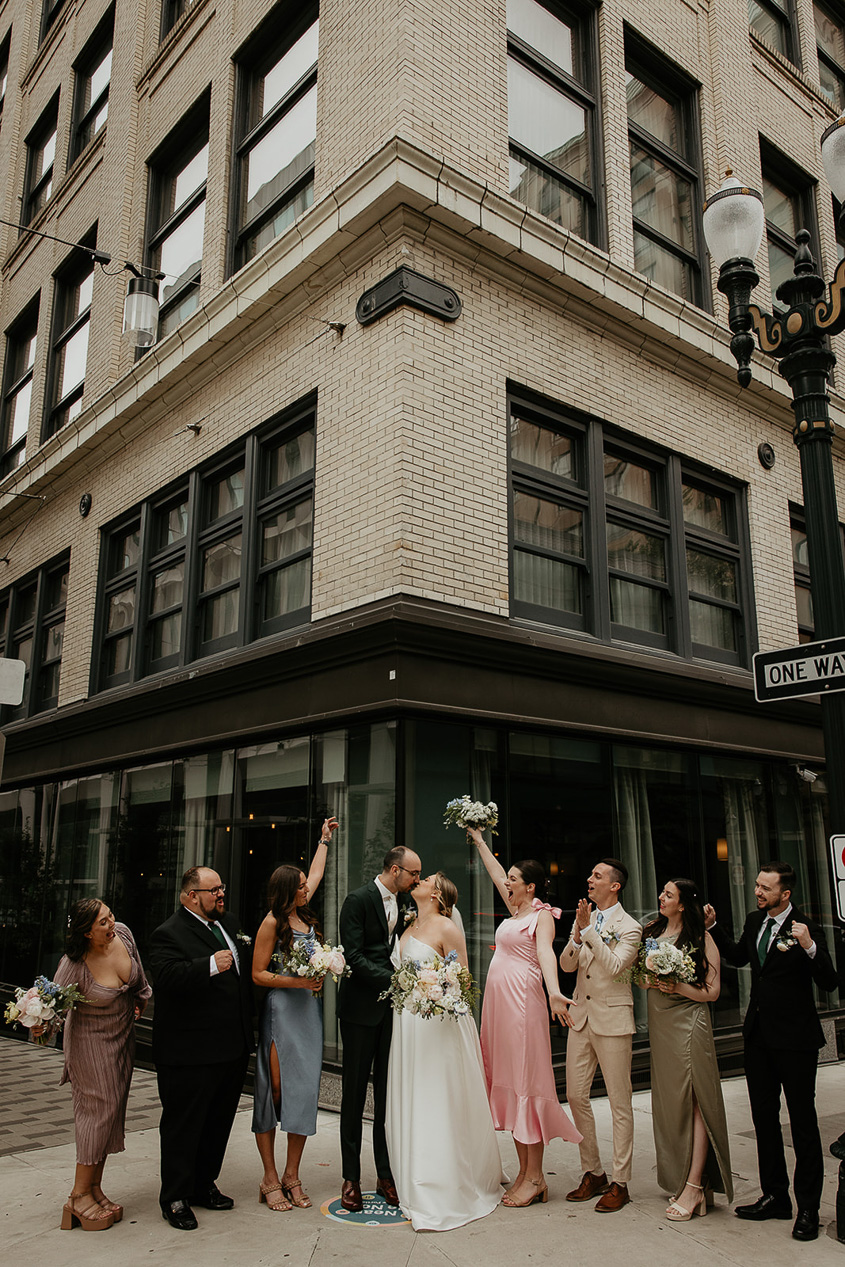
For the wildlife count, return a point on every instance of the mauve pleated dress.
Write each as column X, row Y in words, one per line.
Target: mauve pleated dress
column 99, row 1047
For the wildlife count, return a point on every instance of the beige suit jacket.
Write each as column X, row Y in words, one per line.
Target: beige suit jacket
column 607, row 1003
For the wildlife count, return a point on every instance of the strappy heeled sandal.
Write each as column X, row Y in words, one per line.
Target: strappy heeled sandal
column 678, row 1214
column 303, row 1201
column 265, row 1192
column 93, row 1219
column 541, row 1195
column 517, row 1181
column 111, row 1207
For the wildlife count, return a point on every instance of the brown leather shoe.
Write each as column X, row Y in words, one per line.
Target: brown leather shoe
column 590, row 1186
column 614, row 1199
column 350, row 1196
column 387, row 1188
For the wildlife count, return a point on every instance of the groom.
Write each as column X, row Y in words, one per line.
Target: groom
column 371, row 923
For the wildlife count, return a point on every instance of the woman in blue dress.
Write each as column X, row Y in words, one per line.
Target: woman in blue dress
column 290, row 1049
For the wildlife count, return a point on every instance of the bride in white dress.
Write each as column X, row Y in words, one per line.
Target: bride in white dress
column 440, row 1136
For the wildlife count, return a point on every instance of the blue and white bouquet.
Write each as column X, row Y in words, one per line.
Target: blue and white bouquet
column 464, row 812
column 310, row 958
column 435, row 987
column 664, row 961
column 45, row 1004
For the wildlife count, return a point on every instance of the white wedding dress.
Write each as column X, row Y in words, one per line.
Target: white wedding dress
column 443, row 1149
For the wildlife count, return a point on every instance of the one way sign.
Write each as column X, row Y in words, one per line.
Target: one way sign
column 816, row 668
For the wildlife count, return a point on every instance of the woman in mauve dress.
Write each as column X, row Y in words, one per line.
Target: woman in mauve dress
column 99, row 1045
column 515, row 1038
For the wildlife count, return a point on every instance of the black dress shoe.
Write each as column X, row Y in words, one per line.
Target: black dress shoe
column 765, row 1207
column 837, row 1148
column 179, row 1215
column 806, row 1226
column 350, row 1196
column 212, row 1199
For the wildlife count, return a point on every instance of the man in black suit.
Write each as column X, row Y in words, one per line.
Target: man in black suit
column 371, row 922
column 783, row 1034
column 202, row 1037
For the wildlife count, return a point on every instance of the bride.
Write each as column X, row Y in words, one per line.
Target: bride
column 440, row 1135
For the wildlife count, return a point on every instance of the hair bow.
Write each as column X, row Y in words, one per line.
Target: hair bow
column 545, row 906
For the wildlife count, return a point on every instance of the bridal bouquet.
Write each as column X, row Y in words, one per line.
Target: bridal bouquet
column 464, row 812
column 663, row 960
column 44, row 1003
column 436, row 987
column 310, row 958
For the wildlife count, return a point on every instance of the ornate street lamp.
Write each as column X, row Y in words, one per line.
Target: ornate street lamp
column 798, row 339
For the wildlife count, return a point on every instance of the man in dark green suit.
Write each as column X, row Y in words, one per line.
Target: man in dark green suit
column 372, row 920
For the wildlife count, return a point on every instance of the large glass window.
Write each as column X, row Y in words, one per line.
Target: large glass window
column 774, row 22
column 32, row 623
column 665, row 173
column 40, row 161
column 178, row 174
column 91, row 89
column 552, row 113
column 631, row 546
column 789, row 202
column 278, row 130
column 237, row 536
column 69, row 347
column 17, row 386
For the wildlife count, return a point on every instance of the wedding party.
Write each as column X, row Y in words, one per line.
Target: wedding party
column 446, row 1080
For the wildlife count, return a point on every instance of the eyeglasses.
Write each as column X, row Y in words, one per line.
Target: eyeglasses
column 416, row 873
column 218, row 889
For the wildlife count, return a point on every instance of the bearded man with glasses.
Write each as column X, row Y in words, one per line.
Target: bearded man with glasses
column 372, row 920
column 202, row 1037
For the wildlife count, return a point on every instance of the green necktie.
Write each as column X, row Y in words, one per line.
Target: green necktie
column 765, row 940
column 215, row 929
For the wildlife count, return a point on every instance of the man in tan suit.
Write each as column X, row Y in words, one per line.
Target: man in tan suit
column 603, row 945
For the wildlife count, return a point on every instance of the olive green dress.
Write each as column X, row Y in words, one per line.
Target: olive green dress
column 683, row 1064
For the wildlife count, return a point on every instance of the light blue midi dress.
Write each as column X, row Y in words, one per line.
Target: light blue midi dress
column 293, row 1020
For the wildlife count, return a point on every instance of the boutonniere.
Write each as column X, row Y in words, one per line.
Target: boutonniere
column 410, row 915
column 785, row 941
column 608, row 936
column 243, row 938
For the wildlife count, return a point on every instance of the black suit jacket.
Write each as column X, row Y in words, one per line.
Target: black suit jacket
column 198, row 1018
column 367, row 947
column 781, row 1001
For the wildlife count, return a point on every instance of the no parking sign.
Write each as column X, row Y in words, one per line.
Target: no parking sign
column 837, row 855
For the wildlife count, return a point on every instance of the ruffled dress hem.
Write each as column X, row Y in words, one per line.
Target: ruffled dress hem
column 530, row 1118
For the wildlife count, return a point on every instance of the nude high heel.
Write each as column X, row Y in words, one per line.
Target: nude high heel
column 266, row 1192
column 541, row 1195
column 677, row 1214
column 71, row 1218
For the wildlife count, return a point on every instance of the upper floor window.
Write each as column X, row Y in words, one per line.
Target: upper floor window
column 665, row 173
column 552, row 109
column 774, row 22
column 801, row 573
column 830, row 44
column 50, row 10
column 278, row 130
column 171, row 12
column 40, row 159
column 235, row 536
column 17, row 387
column 5, row 49
column 69, row 342
column 91, row 91
column 178, row 174
column 623, row 543
column 32, row 624
column 789, row 203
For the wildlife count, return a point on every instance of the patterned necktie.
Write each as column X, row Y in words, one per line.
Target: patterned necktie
column 765, row 939
column 599, row 921
column 214, row 928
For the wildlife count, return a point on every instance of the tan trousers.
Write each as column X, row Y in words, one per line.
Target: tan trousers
column 585, row 1050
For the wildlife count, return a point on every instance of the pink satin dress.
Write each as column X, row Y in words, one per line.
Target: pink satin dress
column 515, row 1041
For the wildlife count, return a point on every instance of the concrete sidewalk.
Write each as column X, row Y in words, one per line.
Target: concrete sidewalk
column 36, row 1169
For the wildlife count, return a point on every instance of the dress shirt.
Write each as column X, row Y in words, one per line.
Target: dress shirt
column 213, row 969
column 391, row 910
column 774, row 933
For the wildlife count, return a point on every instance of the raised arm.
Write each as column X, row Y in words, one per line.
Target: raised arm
column 736, row 952
column 318, row 865
column 495, row 870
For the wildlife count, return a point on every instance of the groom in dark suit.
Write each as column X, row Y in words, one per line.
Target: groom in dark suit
column 202, row 1037
column 371, row 922
column 783, row 1034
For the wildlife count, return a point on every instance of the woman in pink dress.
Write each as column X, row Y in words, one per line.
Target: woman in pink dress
column 515, row 1038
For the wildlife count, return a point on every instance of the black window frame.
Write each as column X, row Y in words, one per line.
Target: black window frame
column 15, row 378
column 50, row 10
column 34, row 183
column 801, row 569
column 788, row 178
column 182, row 145
column 650, row 67
column 831, row 10
column 786, row 22
column 32, row 609
column 100, row 45
column 172, row 11
column 588, row 493
column 204, row 530
column 263, row 50
column 76, row 269
column 585, row 93
column 5, row 53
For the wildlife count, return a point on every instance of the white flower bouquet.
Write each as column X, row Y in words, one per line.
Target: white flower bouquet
column 464, row 812
column 43, row 1004
column 664, row 961
column 436, row 987
column 310, row 958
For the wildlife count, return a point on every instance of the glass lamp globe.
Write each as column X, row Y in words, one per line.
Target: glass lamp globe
column 734, row 221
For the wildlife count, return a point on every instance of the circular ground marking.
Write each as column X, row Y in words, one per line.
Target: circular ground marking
column 376, row 1212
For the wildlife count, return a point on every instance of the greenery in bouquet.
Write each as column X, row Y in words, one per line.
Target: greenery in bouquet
column 44, row 1005
column 434, row 987
column 464, row 812
column 310, row 958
